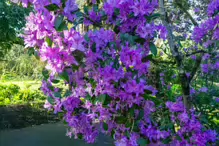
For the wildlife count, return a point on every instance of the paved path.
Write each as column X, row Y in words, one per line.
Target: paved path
column 45, row 135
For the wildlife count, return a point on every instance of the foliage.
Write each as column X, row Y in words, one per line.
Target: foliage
column 12, row 18
column 13, row 95
column 20, row 116
column 108, row 69
column 19, row 65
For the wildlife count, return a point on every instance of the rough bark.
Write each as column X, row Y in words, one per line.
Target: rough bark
column 185, row 83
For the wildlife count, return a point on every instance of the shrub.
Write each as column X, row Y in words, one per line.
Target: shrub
column 12, row 94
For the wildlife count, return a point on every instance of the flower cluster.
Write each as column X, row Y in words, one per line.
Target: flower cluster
column 210, row 27
column 104, row 70
column 213, row 8
column 189, row 131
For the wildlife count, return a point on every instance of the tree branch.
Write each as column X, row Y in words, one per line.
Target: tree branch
column 196, row 52
column 195, row 68
column 187, row 13
column 162, row 61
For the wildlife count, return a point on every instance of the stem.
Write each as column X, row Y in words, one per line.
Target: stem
column 187, row 13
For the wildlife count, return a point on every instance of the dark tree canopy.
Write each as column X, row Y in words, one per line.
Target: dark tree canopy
column 12, row 20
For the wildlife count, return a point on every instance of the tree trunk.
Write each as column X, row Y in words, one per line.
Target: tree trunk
column 178, row 57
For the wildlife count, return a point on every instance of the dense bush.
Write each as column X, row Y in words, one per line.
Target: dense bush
column 19, row 64
column 13, row 95
column 20, row 108
column 24, row 115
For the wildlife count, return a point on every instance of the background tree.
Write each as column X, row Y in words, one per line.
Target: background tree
column 12, row 20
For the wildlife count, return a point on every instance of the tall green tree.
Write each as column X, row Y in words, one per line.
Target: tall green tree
column 12, row 20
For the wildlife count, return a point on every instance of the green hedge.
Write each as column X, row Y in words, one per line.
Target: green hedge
column 13, row 95
column 22, row 108
column 20, row 116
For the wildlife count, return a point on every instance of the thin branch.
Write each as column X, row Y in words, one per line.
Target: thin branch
column 196, row 52
column 187, row 13
column 94, row 22
column 195, row 68
column 162, row 62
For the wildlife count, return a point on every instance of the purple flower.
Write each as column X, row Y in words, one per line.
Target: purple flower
column 206, row 56
column 217, row 99
column 71, row 103
column 197, row 10
column 211, row 135
column 188, row 74
column 183, row 117
column 174, row 76
column 144, row 7
column 133, row 139
column 216, row 65
column 122, row 142
column 213, row 7
column 175, row 107
column 205, row 68
column 57, row 2
column 47, row 105
column 203, row 89
column 162, row 74
column 193, row 57
column 192, row 91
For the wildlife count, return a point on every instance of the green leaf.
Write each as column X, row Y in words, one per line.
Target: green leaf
column 140, row 40
column 62, row 27
column 58, row 21
column 60, row 24
column 52, row 7
column 49, row 41
column 55, row 81
column 101, row 98
column 86, row 38
column 140, row 115
column 142, row 142
column 95, row 8
column 50, row 100
column 125, row 37
column 67, row 93
column 113, row 134
column 93, row 47
column 31, row 51
column 152, row 17
column 147, row 58
column 121, row 120
column 131, row 111
column 117, row 11
column 79, row 14
column 128, row 124
column 45, row 74
column 105, row 126
column 166, row 141
column 58, row 95
column 86, row 10
column 64, row 76
column 80, row 136
column 153, row 49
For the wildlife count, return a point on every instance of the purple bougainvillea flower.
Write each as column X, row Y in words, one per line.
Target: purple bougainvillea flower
column 175, row 107
column 203, row 89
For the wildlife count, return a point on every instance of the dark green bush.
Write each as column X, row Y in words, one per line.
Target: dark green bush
column 12, row 94
column 20, row 116
column 22, row 108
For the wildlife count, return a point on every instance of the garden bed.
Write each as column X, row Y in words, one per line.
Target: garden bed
column 20, row 116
